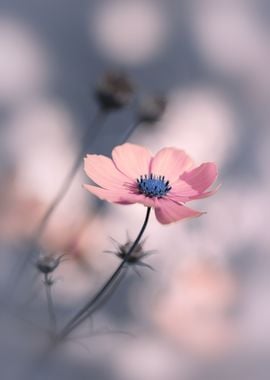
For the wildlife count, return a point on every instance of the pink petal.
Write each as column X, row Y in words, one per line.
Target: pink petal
column 122, row 196
column 142, row 199
column 168, row 211
column 103, row 172
column 201, row 177
column 132, row 160
column 171, row 163
column 112, row 196
column 181, row 191
column 206, row 194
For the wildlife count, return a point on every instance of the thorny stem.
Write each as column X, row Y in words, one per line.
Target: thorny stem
column 85, row 311
column 51, row 310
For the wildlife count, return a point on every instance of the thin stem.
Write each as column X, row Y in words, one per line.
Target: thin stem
column 105, row 332
column 85, row 311
column 124, row 138
column 95, row 125
column 129, row 131
column 68, row 180
column 100, row 117
column 102, row 299
column 51, row 310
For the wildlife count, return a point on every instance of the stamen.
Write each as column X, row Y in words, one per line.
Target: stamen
column 153, row 186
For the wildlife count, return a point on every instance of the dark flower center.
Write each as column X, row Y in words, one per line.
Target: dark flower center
column 153, row 186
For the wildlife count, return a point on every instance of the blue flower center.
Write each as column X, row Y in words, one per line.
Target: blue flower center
column 153, row 186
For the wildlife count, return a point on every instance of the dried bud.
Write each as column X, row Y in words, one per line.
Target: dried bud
column 152, row 108
column 47, row 263
column 114, row 91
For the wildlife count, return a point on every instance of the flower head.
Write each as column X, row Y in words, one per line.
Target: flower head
column 164, row 182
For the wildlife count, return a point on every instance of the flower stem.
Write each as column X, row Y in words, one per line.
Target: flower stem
column 128, row 132
column 98, row 119
column 85, row 311
column 51, row 310
column 95, row 125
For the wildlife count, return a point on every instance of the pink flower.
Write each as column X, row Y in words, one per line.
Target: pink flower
column 165, row 182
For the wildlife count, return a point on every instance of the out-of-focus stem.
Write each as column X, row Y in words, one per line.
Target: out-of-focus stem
column 97, row 122
column 95, row 125
column 128, row 132
column 51, row 309
column 85, row 311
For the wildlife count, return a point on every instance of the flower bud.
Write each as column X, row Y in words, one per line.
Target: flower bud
column 47, row 263
column 137, row 254
column 114, row 91
column 152, row 108
column 135, row 258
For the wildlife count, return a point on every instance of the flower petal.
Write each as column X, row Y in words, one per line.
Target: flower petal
column 206, row 194
column 120, row 196
column 103, row 172
column 201, row 177
column 132, row 160
column 168, row 211
column 142, row 199
column 171, row 163
column 181, row 191
column 112, row 196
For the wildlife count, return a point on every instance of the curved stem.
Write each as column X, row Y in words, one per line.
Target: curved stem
column 128, row 132
column 100, row 116
column 95, row 125
column 102, row 299
column 85, row 311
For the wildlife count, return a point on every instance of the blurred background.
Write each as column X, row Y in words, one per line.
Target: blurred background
column 204, row 312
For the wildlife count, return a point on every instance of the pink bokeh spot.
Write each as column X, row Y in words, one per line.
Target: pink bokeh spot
column 164, row 182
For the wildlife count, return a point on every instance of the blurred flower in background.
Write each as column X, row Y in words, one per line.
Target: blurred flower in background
column 231, row 36
column 25, row 65
column 201, row 120
column 130, row 31
column 197, row 309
